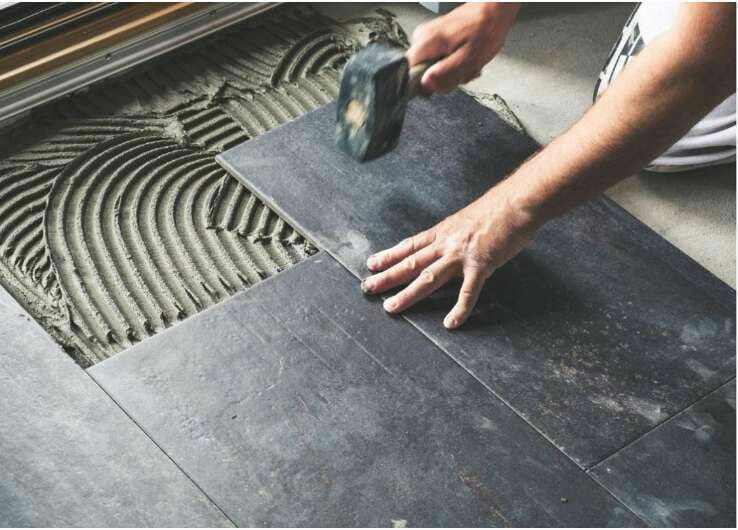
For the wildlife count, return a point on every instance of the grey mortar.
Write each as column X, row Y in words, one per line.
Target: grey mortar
column 115, row 220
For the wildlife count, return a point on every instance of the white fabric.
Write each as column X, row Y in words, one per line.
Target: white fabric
column 656, row 17
column 713, row 139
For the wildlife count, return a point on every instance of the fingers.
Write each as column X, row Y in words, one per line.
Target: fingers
column 432, row 277
column 429, row 43
column 468, row 295
column 386, row 258
column 402, row 272
column 450, row 72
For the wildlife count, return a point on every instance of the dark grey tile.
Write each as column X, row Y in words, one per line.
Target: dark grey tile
column 299, row 403
column 69, row 456
column 595, row 334
column 683, row 472
column 595, row 343
column 451, row 150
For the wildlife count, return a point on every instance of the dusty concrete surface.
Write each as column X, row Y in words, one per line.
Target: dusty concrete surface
column 546, row 73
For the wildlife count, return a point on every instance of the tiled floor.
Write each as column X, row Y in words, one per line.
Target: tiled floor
column 594, row 335
column 319, row 409
column 683, row 472
column 69, row 455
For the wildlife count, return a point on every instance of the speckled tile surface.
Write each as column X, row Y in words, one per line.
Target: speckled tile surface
column 298, row 403
column 683, row 472
column 68, row 455
column 595, row 334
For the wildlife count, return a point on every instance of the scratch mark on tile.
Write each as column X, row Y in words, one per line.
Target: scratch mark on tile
column 353, row 339
column 298, row 339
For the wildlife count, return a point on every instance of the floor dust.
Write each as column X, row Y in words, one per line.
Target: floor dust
column 115, row 220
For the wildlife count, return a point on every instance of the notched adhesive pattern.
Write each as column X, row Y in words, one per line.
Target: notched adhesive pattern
column 115, row 219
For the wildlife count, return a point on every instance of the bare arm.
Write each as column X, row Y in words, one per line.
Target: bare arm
column 662, row 93
column 659, row 96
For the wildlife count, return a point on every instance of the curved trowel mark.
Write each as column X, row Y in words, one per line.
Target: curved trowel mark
column 127, row 227
column 115, row 220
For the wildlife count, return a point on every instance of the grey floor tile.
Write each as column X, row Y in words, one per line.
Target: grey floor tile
column 597, row 333
column 299, row 403
column 683, row 472
column 69, row 456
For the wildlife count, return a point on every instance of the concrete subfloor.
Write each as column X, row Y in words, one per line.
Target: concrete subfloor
column 546, row 73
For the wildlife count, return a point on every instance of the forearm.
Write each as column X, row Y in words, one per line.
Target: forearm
column 671, row 85
column 660, row 95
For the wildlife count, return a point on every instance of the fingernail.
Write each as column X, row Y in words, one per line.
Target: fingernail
column 371, row 262
column 366, row 286
column 450, row 323
column 390, row 305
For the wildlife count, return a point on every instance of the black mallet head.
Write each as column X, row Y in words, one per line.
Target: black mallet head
column 372, row 101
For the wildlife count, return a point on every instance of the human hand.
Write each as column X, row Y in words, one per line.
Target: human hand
column 471, row 243
column 463, row 40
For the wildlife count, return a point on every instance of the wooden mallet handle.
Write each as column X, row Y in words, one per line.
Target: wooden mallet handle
column 414, row 76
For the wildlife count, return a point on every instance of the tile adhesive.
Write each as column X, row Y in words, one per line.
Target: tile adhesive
column 115, row 220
